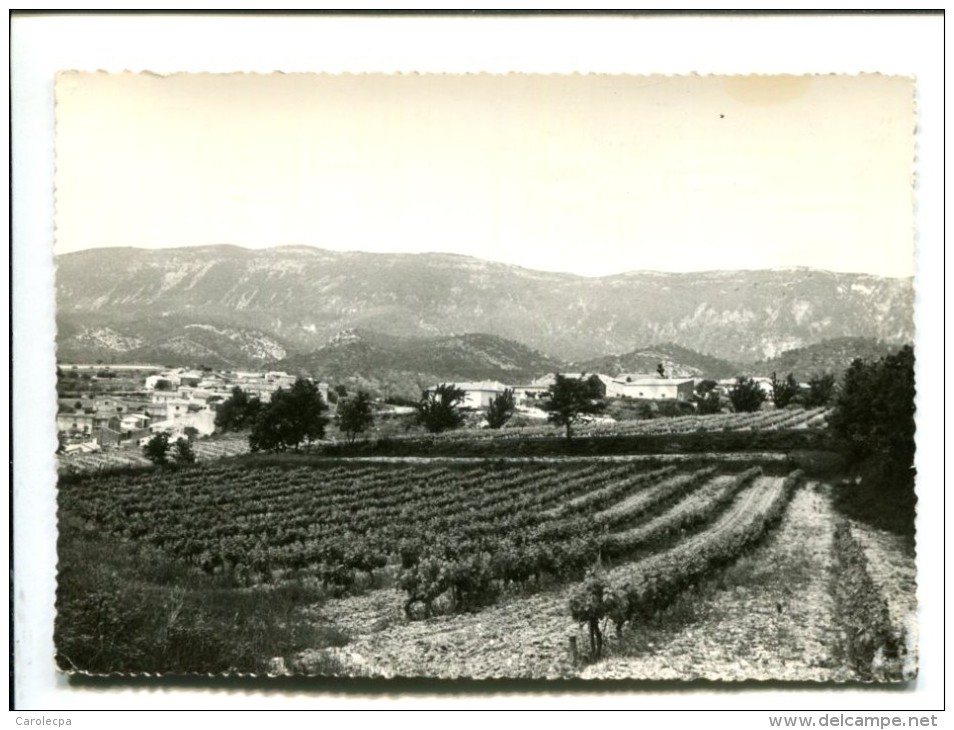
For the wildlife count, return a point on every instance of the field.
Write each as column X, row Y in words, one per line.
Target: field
column 768, row 420
column 205, row 450
column 762, row 421
column 447, row 567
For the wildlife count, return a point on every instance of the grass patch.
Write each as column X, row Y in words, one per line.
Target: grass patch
column 129, row 610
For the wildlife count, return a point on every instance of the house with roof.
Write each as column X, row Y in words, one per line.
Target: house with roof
column 477, row 394
column 163, row 381
column 87, row 422
column 726, row 385
column 202, row 421
column 134, row 422
column 653, row 387
column 529, row 396
column 107, row 436
column 191, row 378
column 550, row 378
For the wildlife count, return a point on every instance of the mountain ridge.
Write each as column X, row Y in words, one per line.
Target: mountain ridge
column 299, row 297
column 318, row 250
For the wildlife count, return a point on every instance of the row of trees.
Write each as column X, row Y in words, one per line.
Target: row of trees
column 568, row 401
column 298, row 415
column 294, row 416
column 747, row 395
column 161, row 451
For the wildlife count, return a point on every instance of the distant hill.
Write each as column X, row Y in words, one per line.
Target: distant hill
column 172, row 341
column 831, row 356
column 676, row 360
column 403, row 366
column 297, row 298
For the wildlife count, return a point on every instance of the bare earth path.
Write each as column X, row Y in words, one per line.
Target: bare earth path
column 769, row 616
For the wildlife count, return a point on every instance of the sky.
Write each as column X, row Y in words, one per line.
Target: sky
column 588, row 174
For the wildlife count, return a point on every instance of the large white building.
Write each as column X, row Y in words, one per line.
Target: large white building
column 477, row 394
column 655, row 388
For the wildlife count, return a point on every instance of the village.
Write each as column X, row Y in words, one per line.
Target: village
column 123, row 406
column 120, row 407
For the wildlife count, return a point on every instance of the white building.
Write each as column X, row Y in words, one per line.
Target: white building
column 550, row 378
column 477, row 394
column 134, row 422
column 655, row 388
column 529, row 396
column 202, row 421
column 171, row 378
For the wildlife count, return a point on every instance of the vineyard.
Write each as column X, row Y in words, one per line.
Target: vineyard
column 532, row 551
column 341, row 522
column 205, row 450
column 761, row 421
column 768, row 420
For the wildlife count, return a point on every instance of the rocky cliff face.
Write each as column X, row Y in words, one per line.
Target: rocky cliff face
column 259, row 305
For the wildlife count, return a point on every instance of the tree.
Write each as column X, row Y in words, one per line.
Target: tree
column 569, row 399
column 821, row 389
column 874, row 419
column 706, row 398
column 184, row 453
column 157, row 449
column 501, row 409
column 874, row 413
column 438, row 409
column 746, row 395
column 784, row 391
column 661, row 370
column 163, row 384
column 237, row 412
column 355, row 415
column 292, row 417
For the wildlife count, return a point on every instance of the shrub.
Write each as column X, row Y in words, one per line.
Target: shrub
column 292, row 417
column 157, row 449
column 569, row 399
column 438, row 410
column 237, row 412
column 589, row 606
column 184, row 453
column 821, row 389
column 355, row 415
column 784, row 391
column 501, row 409
column 746, row 395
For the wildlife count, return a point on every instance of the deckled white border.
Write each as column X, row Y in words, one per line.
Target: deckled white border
column 908, row 45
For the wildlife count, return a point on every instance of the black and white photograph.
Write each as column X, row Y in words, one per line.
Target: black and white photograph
column 486, row 376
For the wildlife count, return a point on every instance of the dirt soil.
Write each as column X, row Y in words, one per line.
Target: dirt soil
column 768, row 616
column 891, row 565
